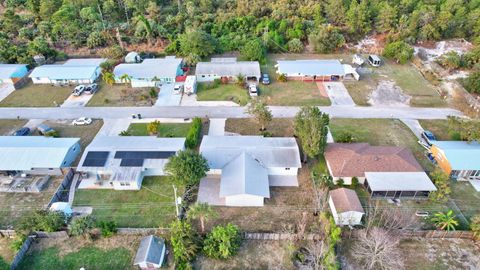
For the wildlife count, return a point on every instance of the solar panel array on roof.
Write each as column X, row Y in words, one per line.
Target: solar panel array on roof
column 96, row 159
column 136, row 158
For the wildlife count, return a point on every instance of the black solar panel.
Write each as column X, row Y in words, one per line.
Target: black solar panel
column 95, row 159
column 131, row 163
column 144, row 154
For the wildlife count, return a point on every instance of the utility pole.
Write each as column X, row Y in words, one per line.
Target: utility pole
column 176, row 201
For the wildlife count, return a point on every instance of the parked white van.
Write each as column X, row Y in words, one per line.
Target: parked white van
column 190, row 86
column 374, row 60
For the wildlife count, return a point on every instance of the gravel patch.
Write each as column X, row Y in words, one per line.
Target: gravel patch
column 387, row 93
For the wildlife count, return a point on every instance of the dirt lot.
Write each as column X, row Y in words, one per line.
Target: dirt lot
column 8, row 126
column 387, row 93
column 6, row 253
column 426, row 254
column 253, row 254
column 279, row 127
column 16, row 205
column 121, row 95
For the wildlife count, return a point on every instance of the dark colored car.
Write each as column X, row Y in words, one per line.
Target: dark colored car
column 44, row 129
column 265, row 79
column 22, row 132
column 428, row 137
column 91, row 88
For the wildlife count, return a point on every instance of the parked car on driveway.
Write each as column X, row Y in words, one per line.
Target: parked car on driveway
column 91, row 88
column 428, row 137
column 253, row 90
column 44, row 129
column 22, row 132
column 78, row 90
column 177, row 89
column 82, row 121
column 265, row 79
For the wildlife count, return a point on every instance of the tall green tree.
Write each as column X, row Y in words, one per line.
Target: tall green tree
column 400, row 51
column 203, row 212
column 197, row 42
column 259, row 110
column 185, row 242
column 445, row 220
column 187, row 167
column 326, row 39
column 386, row 18
column 311, row 127
column 358, row 18
column 253, row 50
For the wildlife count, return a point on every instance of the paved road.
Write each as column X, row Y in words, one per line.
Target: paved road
column 221, row 112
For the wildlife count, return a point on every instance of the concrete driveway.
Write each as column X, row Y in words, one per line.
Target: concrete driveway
column 414, row 126
column 5, row 90
column 338, row 94
column 74, row 101
column 217, row 127
column 166, row 97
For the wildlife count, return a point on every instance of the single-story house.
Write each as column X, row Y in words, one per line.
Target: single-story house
column 459, row 159
column 348, row 160
column 227, row 69
column 316, row 70
column 73, row 71
column 37, row 154
column 150, row 72
column 151, row 253
column 345, row 207
column 398, row 184
column 121, row 162
column 12, row 73
column 243, row 168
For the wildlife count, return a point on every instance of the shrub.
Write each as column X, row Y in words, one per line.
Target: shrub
column 17, row 242
column 266, row 133
column 153, row 93
column 81, row 225
column 42, row 220
column 475, row 226
column 95, row 39
column 345, row 137
column 108, row 228
column 295, row 46
column 52, row 133
column 184, row 243
column 399, row 51
column 153, row 127
column 355, row 182
column 124, row 133
column 340, row 182
column 222, row 242
column 193, row 135
column 472, row 83
column 107, row 65
column 282, row 78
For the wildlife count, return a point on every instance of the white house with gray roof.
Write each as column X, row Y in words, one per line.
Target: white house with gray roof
column 316, row 70
column 227, row 69
column 243, row 168
column 73, row 71
column 150, row 72
column 37, row 155
column 121, row 162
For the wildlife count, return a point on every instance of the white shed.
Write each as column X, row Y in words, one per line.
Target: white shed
column 133, row 57
column 151, row 253
column 63, row 207
column 346, row 207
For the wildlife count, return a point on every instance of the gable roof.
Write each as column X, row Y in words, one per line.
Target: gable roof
column 310, row 67
column 8, row 70
column 84, row 62
column 27, row 152
column 150, row 68
column 459, row 154
column 269, row 152
column 354, row 159
column 150, row 250
column 64, row 72
column 228, row 68
column 345, row 200
column 399, row 181
column 244, row 175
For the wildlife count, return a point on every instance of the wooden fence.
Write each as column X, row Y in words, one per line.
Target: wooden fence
column 21, row 253
column 423, row 234
column 279, row 236
column 143, row 231
column 7, row 233
column 61, row 194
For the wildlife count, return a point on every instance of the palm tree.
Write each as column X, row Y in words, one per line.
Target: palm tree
column 203, row 212
column 148, row 28
column 445, row 221
column 125, row 78
column 108, row 78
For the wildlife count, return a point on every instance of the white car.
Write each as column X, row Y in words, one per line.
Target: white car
column 82, row 121
column 177, row 89
column 253, row 90
column 78, row 90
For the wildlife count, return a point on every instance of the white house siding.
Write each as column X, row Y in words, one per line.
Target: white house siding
column 130, row 185
column 282, row 171
column 6, row 80
column 207, row 77
column 244, row 200
column 44, row 171
column 142, row 83
column 345, row 218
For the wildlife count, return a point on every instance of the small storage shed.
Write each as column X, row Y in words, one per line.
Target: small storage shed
column 150, row 253
column 133, row 57
column 62, row 207
column 12, row 73
column 346, row 207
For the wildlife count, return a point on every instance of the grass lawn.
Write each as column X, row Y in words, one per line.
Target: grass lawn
column 152, row 206
column 8, row 126
column 293, row 93
column 166, row 129
column 381, row 132
column 37, row 95
column 466, row 198
column 16, row 205
column 6, row 253
column 224, row 92
column 279, row 127
column 121, row 95
column 85, row 133
column 440, row 129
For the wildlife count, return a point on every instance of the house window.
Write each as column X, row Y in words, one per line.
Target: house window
column 203, row 76
column 287, row 169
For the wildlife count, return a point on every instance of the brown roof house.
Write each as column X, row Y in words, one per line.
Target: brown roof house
column 393, row 171
column 345, row 207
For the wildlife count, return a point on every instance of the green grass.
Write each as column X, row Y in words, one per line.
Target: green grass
column 381, row 132
column 120, row 95
column 166, row 129
column 293, row 93
column 37, row 95
column 152, row 206
column 279, row 127
column 8, row 126
column 466, row 198
column 440, row 128
column 87, row 257
column 224, row 92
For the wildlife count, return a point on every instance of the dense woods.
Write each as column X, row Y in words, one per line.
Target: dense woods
column 196, row 28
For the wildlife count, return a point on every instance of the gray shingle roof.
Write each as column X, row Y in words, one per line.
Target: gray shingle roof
column 150, row 68
column 246, row 68
column 403, row 181
column 310, row 67
column 151, row 250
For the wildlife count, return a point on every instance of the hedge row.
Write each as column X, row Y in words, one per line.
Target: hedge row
column 193, row 135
